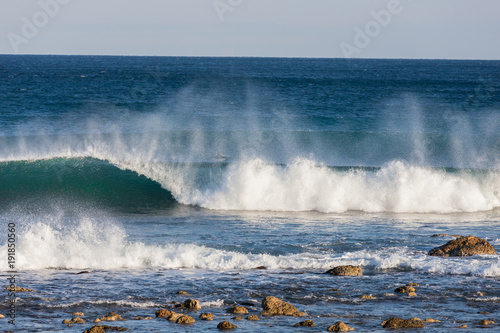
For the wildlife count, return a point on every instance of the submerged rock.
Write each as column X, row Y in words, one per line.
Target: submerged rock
column 185, row 319
column 78, row 314
column 340, row 327
column 143, row 318
column 225, row 325
column 253, row 317
column 402, row 323
column 368, row 297
column 348, row 270
column 305, row 323
column 111, row 317
column 163, row 313
column 430, row 320
column 76, row 320
column 237, row 310
column 463, row 247
column 486, row 322
column 405, row 290
column 207, row 316
column 105, row 328
column 20, row 289
column 191, row 304
column 273, row 306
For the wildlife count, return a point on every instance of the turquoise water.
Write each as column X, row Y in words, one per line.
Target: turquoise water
column 164, row 174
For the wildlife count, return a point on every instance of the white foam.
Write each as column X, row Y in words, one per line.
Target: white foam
column 305, row 185
column 97, row 243
column 145, row 304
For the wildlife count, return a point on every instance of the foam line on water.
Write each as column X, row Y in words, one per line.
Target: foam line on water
column 94, row 243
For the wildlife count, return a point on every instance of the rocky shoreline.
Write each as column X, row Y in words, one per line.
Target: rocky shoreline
column 190, row 312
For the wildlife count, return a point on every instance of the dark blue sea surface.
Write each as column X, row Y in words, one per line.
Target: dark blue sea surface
column 160, row 174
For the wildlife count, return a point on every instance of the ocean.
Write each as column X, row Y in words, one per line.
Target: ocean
column 129, row 179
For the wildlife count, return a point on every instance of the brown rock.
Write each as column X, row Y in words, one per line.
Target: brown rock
column 191, row 304
column 305, row 323
column 76, row 320
column 20, row 289
column 225, row 325
column 260, row 267
column 238, row 310
column 182, row 292
column 368, row 297
column 340, row 327
column 348, row 270
column 299, row 314
column 401, row 323
column 114, row 328
column 253, row 317
column 95, row 329
column 163, row 313
column 111, row 317
column 78, row 314
column 404, row 290
column 463, row 247
column 430, row 320
column 143, row 318
column 185, row 319
column 462, row 326
column 273, row 306
column 97, row 320
column 174, row 316
column 207, row 316
column 486, row 322
column 411, row 284
column 2, row 316
column 412, row 294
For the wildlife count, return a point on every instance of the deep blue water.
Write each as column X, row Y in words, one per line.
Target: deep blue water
column 157, row 174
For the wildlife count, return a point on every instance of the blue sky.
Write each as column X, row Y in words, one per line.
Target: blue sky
column 449, row 29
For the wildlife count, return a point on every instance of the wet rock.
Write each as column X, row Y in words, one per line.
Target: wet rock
column 185, row 319
column 2, row 316
column 340, row 327
column 260, row 267
column 111, row 317
column 78, row 314
column 463, row 247
column 486, row 322
column 389, row 295
column 462, row 326
column 225, row 325
column 143, row 318
column 237, row 318
column 163, row 313
column 207, row 316
column 174, row 316
column 95, row 329
column 97, row 320
column 412, row 284
column 182, row 292
column 299, row 314
column 402, row 323
column 76, row 320
column 191, row 304
column 273, row 306
column 305, row 323
column 446, row 235
column 20, row 289
column 114, row 328
column 430, row 320
column 253, row 317
column 483, row 312
column 412, row 294
column 83, row 272
column 368, row 297
column 237, row 310
column 348, row 270
column 404, row 290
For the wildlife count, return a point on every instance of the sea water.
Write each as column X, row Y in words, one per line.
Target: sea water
column 159, row 174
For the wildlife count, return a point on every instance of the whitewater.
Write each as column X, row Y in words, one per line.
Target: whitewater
column 130, row 179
